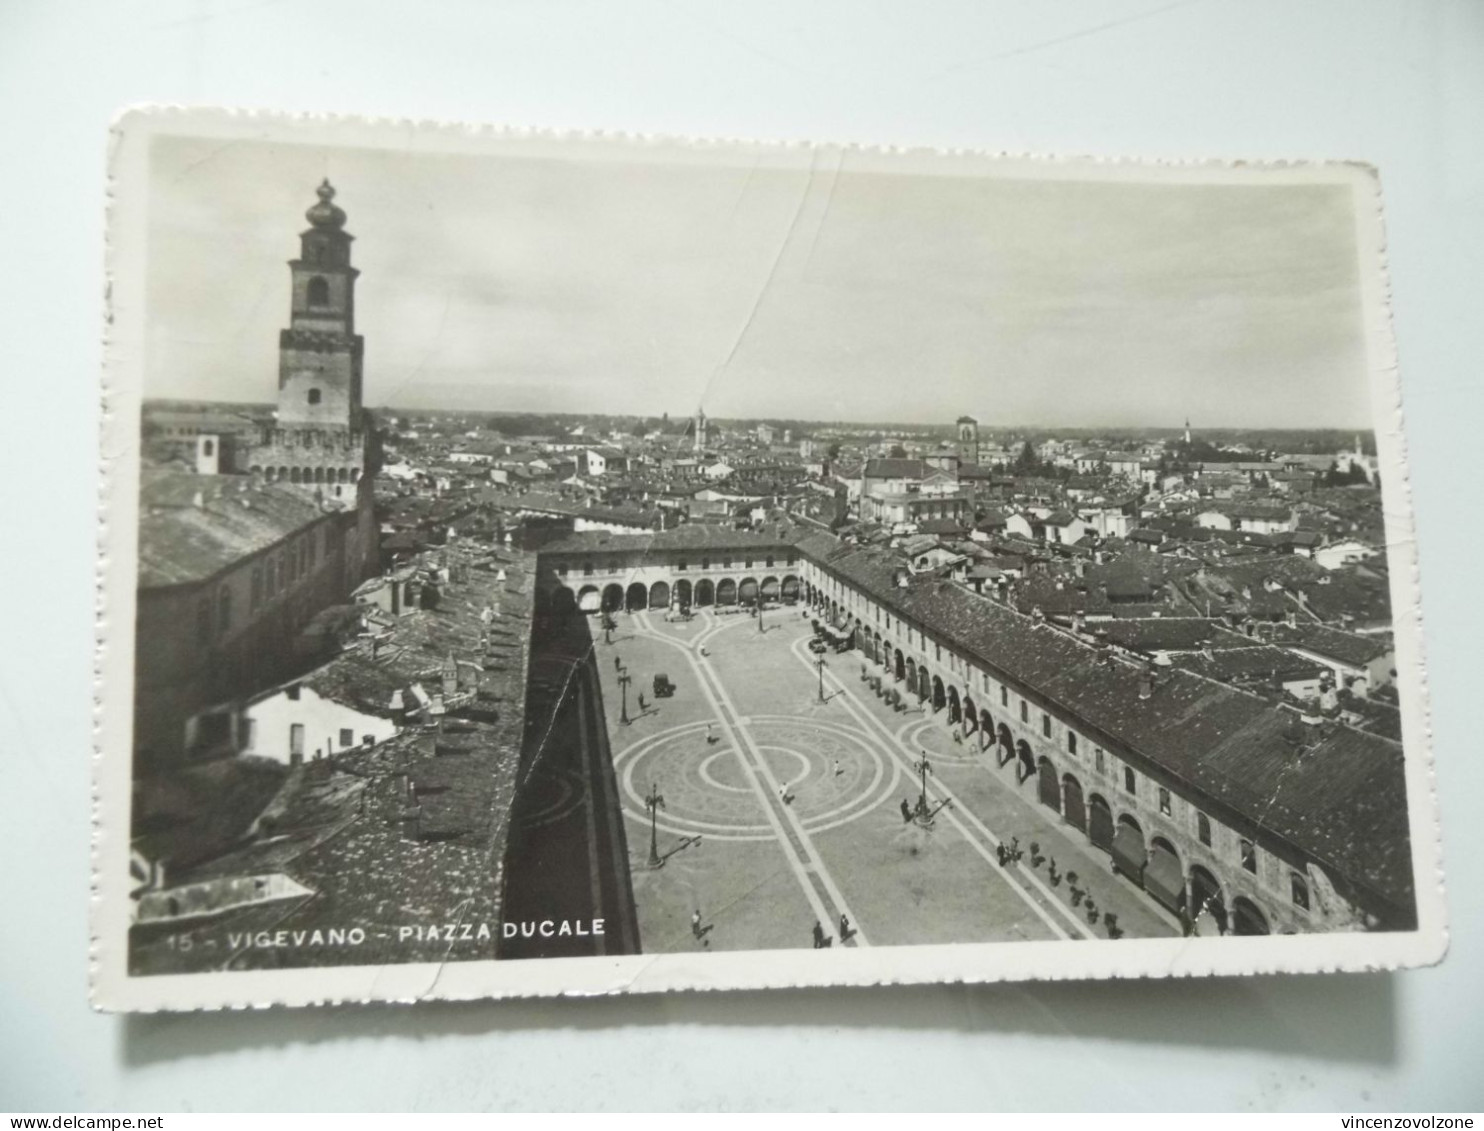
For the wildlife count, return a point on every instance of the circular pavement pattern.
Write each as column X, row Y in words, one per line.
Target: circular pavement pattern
column 712, row 790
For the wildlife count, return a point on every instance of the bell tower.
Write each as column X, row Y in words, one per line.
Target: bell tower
column 319, row 354
column 968, row 440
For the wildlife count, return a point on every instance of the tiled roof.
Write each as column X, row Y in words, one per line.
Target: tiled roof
column 1338, row 800
column 688, row 536
column 895, row 469
column 182, row 542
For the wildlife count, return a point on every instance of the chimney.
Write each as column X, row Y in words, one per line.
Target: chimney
column 1146, row 683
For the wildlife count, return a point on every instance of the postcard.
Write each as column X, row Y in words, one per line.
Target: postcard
column 540, row 564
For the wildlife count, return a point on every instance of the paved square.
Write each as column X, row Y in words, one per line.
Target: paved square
column 779, row 810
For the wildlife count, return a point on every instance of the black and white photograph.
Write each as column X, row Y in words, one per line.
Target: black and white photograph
column 542, row 563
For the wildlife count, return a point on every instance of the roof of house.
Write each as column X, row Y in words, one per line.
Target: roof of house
column 895, row 469
column 191, row 527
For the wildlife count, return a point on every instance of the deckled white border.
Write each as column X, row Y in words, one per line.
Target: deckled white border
column 113, row 989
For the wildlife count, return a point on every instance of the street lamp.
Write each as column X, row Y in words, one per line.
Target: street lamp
column 924, row 815
column 821, row 665
column 654, row 802
column 624, row 679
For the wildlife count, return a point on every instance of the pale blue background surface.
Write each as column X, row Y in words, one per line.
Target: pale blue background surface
column 1398, row 84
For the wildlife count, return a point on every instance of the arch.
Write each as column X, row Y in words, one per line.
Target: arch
column 684, row 595
column 747, row 591
column 1207, row 903
column 1072, row 806
column 343, row 475
column 986, row 729
column 318, row 291
column 924, row 684
column 659, row 595
column 1007, row 745
column 971, row 714
column 790, row 590
column 319, row 474
column 955, row 709
column 726, row 591
column 589, row 600
column 705, row 592
column 878, row 650
column 257, row 469
column 283, row 473
column 898, row 666
column 1026, row 766
column 1248, row 919
column 939, row 697
column 1048, row 786
column 612, row 597
column 1164, row 875
column 1129, row 854
column 769, row 589
column 293, row 475
column 1100, row 822
column 636, row 597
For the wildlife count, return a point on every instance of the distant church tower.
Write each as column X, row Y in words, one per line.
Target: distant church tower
column 1187, row 431
column 321, row 440
column 968, row 440
column 698, row 427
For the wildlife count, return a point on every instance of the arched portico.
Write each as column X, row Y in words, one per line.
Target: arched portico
column 1164, row 875
column 1248, row 919
column 726, row 591
column 705, row 592
column 747, row 591
column 790, row 590
column 612, row 597
column 1130, row 857
column 769, row 589
column 955, row 711
column 637, row 597
column 684, row 593
column 898, row 666
column 940, row 697
column 1048, row 788
column 589, row 599
column 1100, row 822
column 1072, row 805
column 971, row 714
column 1007, row 745
column 1026, row 767
column 659, row 595
column 1207, row 903
column 986, row 729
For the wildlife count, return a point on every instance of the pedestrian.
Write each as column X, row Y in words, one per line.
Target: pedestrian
column 783, row 793
column 642, row 705
column 818, row 936
column 838, row 770
column 617, row 663
column 844, row 926
column 906, row 811
column 695, row 923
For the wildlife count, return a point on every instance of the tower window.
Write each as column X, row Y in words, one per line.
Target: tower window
column 208, row 448
column 314, row 397
column 319, row 292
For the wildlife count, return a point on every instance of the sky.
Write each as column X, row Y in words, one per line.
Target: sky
column 801, row 284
